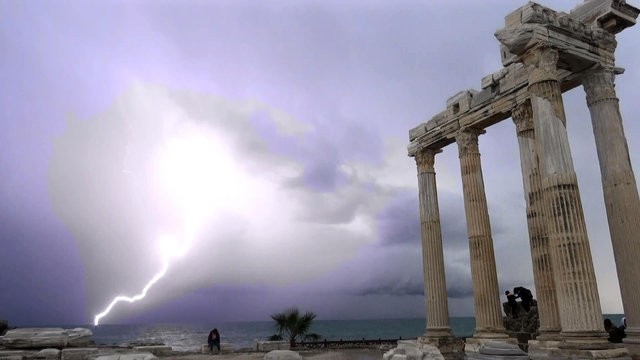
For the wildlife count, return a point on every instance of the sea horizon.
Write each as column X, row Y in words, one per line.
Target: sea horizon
column 243, row 334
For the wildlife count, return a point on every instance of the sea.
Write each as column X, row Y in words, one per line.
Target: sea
column 188, row 337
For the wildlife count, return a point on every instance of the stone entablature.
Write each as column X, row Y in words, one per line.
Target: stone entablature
column 580, row 46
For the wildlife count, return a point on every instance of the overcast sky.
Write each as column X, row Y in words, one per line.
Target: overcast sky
column 268, row 140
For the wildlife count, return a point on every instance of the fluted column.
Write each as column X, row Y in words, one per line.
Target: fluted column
column 538, row 238
column 619, row 189
column 435, row 288
column 576, row 288
column 483, row 263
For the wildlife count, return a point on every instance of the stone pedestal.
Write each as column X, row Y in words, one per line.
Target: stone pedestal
column 633, row 347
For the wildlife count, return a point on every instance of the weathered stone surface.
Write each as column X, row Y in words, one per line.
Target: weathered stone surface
column 282, row 355
column 123, row 356
column 412, row 350
column 502, row 349
column 34, row 338
column 497, row 350
column 77, row 353
column 15, row 354
column 79, row 337
column 272, row 345
column 47, row 354
column 613, row 16
column 460, row 102
column 157, row 350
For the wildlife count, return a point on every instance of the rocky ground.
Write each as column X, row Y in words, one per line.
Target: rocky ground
column 343, row 354
column 76, row 344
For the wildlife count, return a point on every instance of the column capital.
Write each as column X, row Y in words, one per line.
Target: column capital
column 541, row 63
column 467, row 140
column 425, row 159
column 522, row 117
column 599, row 84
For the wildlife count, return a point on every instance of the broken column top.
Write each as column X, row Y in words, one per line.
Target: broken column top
column 611, row 15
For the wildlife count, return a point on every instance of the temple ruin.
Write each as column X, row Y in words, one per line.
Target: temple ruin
column 544, row 53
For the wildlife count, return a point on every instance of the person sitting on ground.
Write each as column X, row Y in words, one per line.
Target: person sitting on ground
column 214, row 339
column 616, row 334
column 511, row 300
column 524, row 294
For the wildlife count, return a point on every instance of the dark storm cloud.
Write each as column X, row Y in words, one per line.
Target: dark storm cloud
column 408, row 286
column 399, row 221
column 459, row 292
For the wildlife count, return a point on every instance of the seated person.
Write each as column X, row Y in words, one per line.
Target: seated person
column 616, row 334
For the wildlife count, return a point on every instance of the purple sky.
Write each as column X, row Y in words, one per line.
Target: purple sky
column 301, row 111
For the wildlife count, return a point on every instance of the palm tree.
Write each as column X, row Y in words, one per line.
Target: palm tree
column 292, row 324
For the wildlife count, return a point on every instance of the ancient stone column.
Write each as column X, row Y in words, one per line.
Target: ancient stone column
column 435, row 288
column 576, row 288
column 620, row 190
column 538, row 238
column 483, row 263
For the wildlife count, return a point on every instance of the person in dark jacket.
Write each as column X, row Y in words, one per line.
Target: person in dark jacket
column 214, row 339
column 513, row 305
column 525, row 295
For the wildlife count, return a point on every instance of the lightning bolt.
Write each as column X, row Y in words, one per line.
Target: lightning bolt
column 170, row 250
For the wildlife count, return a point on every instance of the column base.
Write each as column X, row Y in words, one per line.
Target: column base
column 632, row 343
column 549, row 335
column 492, row 349
column 448, row 345
column 553, row 349
column 474, row 344
column 438, row 332
column 544, row 350
column 633, row 335
column 585, row 340
column 491, row 333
